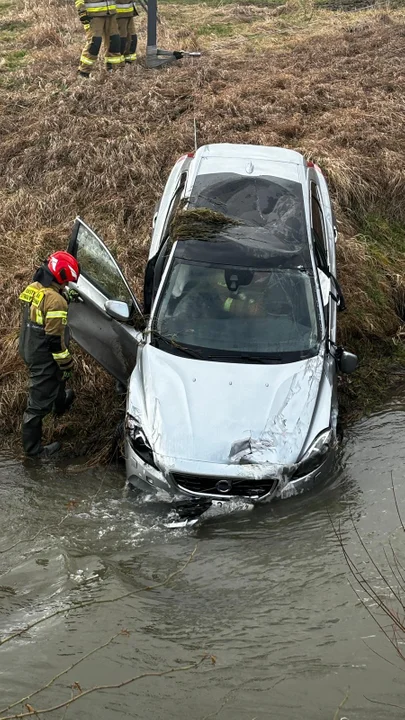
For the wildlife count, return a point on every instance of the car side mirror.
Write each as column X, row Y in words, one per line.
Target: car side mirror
column 117, row 309
column 347, row 362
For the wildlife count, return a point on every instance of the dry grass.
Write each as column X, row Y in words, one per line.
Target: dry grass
column 332, row 87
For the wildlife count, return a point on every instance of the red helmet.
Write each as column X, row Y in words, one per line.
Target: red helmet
column 64, row 267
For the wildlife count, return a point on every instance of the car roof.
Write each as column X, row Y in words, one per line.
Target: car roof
column 250, row 160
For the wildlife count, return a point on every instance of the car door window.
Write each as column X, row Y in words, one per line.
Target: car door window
column 99, row 267
column 318, row 229
column 156, row 264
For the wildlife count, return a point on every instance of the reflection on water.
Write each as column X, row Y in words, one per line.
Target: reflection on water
column 267, row 593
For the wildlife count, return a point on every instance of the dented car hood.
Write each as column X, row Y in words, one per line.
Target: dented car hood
column 223, row 413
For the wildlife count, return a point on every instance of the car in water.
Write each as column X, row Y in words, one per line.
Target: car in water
column 230, row 361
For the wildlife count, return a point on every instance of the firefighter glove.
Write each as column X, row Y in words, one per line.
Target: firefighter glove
column 84, row 18
column 72, row 296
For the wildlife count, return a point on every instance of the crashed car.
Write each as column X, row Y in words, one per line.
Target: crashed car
column 231, row 361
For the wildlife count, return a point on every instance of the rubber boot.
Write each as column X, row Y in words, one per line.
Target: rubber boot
column 48, row 450
column 32, row 435
column 64, row 402
column 31, row 438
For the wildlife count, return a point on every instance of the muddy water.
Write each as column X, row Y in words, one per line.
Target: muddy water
column 267, row 593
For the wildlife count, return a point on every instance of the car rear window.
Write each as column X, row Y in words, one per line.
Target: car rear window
column 264, row 201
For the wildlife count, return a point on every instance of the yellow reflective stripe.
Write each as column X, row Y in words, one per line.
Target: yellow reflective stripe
column 227, row 304
column 130, row 57
column 61, row 355
column 114, row 60
column 79, row 3
column 103, row 8
column 39, row 318
column 86, row 60
column 56, row 313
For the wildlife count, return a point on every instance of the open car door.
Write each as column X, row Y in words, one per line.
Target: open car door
column 104, row 323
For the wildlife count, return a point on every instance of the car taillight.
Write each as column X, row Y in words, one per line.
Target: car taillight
column 187, row 155
column 311, row 164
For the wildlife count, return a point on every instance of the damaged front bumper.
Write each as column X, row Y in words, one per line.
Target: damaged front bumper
column 224, row 482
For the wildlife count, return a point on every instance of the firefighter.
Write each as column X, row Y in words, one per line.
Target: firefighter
column 126, row 11
column 99, row 21
column 43, row 347
column 223, row 294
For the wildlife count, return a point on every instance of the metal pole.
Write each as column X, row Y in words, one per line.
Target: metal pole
column 154, row 57
column 152, row 22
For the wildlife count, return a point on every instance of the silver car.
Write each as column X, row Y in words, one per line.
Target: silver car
column 231, row 361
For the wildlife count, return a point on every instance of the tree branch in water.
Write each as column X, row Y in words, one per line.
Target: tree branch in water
column 31, row 539
column 62, row 672
column 97, row 688
column 90, row 603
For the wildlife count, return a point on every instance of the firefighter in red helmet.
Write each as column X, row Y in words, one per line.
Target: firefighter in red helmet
column 44, row 348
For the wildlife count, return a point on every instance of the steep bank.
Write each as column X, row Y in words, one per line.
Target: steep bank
column 330, row 85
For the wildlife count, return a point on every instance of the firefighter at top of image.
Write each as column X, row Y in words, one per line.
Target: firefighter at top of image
column 113, row 22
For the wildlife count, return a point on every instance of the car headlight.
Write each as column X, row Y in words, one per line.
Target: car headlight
column 315, row 455
column 139, row 442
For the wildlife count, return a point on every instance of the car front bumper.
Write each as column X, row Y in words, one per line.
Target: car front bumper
column 148, row 479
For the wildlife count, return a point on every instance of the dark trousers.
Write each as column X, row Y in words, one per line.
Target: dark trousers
column 46, row 394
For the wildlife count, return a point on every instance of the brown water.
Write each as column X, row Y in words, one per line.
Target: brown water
column 267, row 593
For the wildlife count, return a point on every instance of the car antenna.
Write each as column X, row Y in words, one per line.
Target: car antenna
column 195, row 134
column 154, row 56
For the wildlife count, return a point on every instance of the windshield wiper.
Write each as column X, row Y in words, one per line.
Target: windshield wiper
column 267, row 360
column 176, row 346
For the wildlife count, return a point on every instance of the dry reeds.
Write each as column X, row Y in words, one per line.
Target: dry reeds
column 331, row 88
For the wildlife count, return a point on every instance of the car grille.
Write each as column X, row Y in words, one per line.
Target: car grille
column 223, row 486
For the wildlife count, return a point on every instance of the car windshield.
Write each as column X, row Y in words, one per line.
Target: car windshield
column 237, row 313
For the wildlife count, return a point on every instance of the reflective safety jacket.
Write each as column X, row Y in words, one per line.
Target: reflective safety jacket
column 44, row 335
column 125, row 9
column 96, row 9
column 243, row 303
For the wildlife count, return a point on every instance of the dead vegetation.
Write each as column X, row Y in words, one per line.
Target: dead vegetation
column 201, row 223
column 331, row 86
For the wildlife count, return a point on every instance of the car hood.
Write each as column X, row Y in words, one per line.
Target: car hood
column 223, row 413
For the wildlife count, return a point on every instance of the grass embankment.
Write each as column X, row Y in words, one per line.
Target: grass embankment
column 328, row 84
